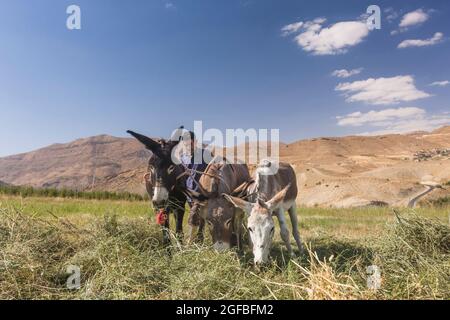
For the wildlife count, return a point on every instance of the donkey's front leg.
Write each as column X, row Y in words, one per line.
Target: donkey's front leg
column 284, row 231
column 179, row 215
column 196, row 221
column 196, row 230
column 166, row 232
column 295, row 233
column 238, row 219
column 201, row 228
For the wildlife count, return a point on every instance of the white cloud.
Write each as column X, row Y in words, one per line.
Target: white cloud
column 169, row 5
column 438, row 36
column 440, row 83
column 412, row 18
column 391, row 14
column 382, row 91
column 390, row 121
column 426, row 124
column 343, row 73
column 335, row 39
column 375, row 117
column 291, row 28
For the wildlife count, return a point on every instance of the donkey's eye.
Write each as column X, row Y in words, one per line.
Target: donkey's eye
column 272, row 230
column 250, row 229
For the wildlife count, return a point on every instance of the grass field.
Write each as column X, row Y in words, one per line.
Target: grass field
column 117, row 246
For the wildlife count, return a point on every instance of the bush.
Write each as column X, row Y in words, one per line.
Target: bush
column 441, row 202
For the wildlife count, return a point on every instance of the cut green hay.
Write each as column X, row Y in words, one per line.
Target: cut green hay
column 415, row 258
column 324, row 283
column 34, row 253
column 123, row 258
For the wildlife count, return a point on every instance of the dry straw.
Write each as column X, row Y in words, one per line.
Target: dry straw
column 122, row 258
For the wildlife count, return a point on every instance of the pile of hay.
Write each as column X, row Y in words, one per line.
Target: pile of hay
column 118, row 258
column 122, row 258
column 415, row 259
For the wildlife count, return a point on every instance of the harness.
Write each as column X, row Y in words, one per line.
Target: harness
column 190, row 172
column 213, row 175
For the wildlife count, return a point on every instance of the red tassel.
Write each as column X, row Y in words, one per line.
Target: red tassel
column 161, row 217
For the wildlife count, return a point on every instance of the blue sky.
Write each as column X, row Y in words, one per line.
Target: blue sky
column 152, row 65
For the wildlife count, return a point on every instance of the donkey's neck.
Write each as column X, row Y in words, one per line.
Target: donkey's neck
column 262, row 185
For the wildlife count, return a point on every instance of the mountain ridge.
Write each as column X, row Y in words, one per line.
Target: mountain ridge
column 331, row 171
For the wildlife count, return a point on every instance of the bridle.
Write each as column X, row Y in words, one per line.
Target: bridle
column 151, row 173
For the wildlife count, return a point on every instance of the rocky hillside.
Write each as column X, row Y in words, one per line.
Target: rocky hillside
column 81, row 164
column 357, row 171
column 341, row 172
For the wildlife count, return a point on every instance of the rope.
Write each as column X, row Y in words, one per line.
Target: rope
column 210, row 175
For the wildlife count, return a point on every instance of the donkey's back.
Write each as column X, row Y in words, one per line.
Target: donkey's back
column 268, row 184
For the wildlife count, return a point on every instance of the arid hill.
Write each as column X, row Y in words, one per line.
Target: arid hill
column 340, row 172
column 355, row 170
column 81, row 164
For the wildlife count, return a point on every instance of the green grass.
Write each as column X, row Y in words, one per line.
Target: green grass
column 72, row 207
column 357, row 223
column 118, row 247
column 27, row 191
column 351, row 223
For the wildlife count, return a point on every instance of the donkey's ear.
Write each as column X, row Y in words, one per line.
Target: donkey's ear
column 239, row 203
column 149, row 143
column 275, row 202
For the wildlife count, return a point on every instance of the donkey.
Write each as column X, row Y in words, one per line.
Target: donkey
column 165, row 183
column 273, row 195
column 224, row 220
